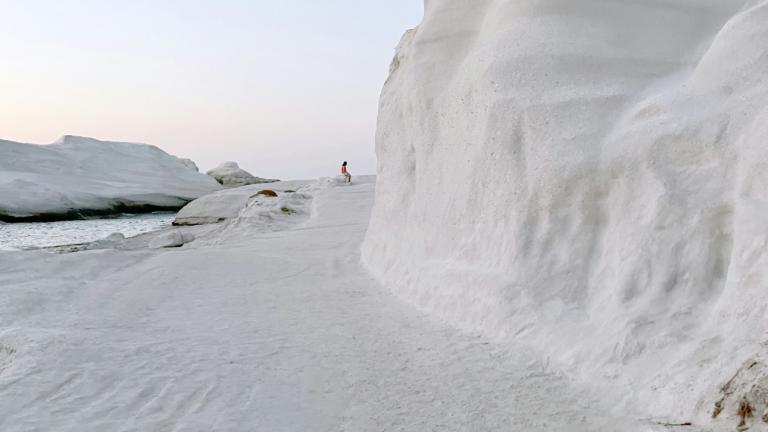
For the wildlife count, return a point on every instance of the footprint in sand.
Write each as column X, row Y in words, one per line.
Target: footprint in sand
column 7, row 354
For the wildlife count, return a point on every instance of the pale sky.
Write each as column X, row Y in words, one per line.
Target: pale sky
column 287, row 88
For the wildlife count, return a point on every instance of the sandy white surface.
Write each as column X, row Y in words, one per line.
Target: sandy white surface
column 275, row 331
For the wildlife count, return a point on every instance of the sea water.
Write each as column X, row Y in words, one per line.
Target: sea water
column 44, row 234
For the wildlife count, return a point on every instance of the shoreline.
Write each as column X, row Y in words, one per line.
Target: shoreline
column 114, row 212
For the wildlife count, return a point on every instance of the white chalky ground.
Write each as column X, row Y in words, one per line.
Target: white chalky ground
column 279, row 331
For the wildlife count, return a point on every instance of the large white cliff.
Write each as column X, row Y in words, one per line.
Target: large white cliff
column 590, row 177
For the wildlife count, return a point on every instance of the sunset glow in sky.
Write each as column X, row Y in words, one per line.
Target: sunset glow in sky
column 286, row 88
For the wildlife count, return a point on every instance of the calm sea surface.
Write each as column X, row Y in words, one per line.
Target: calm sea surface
column 43, row 234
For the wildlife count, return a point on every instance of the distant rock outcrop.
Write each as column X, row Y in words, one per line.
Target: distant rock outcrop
column 78, row 177
column 229, row 174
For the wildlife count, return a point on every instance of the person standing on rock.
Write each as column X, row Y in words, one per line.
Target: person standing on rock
column 346, row 173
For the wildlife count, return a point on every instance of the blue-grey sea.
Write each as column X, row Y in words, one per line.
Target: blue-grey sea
column 45, row 234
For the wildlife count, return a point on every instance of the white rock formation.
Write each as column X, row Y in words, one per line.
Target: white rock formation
column 229, row 203
column 230, row 174
column 115, row 237
column 171, row 239
column 589, row 177
column 77, row 176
